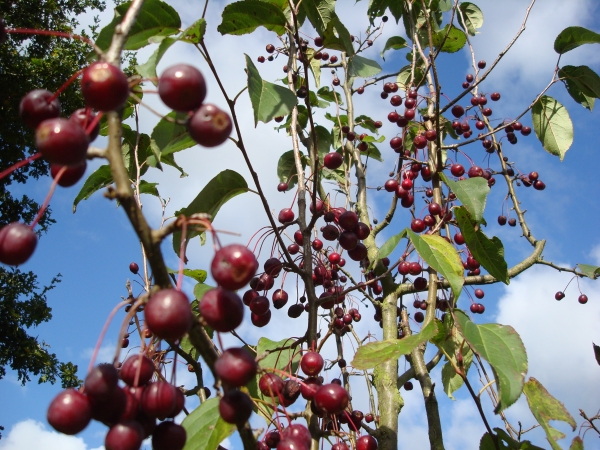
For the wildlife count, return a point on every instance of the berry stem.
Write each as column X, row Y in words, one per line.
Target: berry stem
column 103, row 333
column 93, row 123
column 20, row 164
column 48, row 197
column 51, row 33
column 181, row 254
column 65, row 85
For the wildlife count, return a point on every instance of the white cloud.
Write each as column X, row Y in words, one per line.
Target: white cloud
column 31, row 434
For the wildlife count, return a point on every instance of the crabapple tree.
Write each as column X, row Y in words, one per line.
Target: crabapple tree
column 324, row 264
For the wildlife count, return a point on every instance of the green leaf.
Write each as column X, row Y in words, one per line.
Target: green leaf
column 472, row 193
column 502, row 348
column 576, row 444
column 319, row 13
column 442, row 256
column 328, row 94
column 573, row 37
column 156, row 18
column 197, row 274
column 452, row 345
column 324, row 140
column 315, row 101
column 590, row 271
column 245, row 16
column 200, row 289
column 373, row 153
column 286, row 169
column 404, row 78
column 370, row 139
column 149, row 188
column 455, row 40
column 148, row 69
column 363, row 67
column 336, row 175
column 101, row 178
column 545, row 408
column 552, row 125
column 366, row 122
column 194, row 33
column 489, row 252
column 583, row 84
column 315, row 66
column 393, row 43
column 215, row 194
column 205, row 428
column 337, row 37
column 171, row 137
column 473, row 17
column 268, row 100
column 505, row 442
column 390, row 245
column 377, row 8
column 375, row 353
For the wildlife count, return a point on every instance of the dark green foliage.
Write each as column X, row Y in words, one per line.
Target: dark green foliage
column 31, row 62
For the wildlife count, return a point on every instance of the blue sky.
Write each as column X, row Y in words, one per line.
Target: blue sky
column 92, row 249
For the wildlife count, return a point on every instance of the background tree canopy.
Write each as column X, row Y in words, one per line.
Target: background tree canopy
column 26, row 63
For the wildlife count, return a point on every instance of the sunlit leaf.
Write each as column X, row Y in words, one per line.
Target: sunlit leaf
column 337, row 37
column 197, row 274
column 101, row 178
column 592, row 272
column 442, row 256
column 370, row 355
column 393, row 43
column 205, row 428
column 363, row 67
column 552, row 125
column 286, row 169
column 390, row 245
column 545, row 408
column 473, row 17
column 450, row 41
column 503, row 349
column 489, row 252
column 319, row 13
column 452, row 345
column 268, row 100
column 573, row 37
column 471, row 192
column 244, row 17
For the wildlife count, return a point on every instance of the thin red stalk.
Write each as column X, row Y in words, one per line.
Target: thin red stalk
column 50, row 33
column 181, row 254
column 20, row 164
column 93, row 123
column 65, row 85
column 103, row 333
column 48, row 197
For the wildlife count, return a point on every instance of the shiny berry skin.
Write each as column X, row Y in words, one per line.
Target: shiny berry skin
column 84, row 117
column 286, row 215
column 236, row 367
column 101, row 380
column 260, row 320
column 210, row 126
column 457, row 111
column 182, row 87
column 495, row 96
column 583, row 299
column 221, row 309
column 168, row 314
column 134, row 364
column 70, row 412
column 457, row 170
column 233, row 266
column 104, row 87
column 61, row 141
column 270, row 384
column 331, row 398
column 71, row 175
column 559, row 295
column 235, row 407
column 333, row 160
column 159, row 399
column 168, row 436
column 282, row 187
column 366, row 442
column 17, row 243
column 124, row 436
column 134, row 268
column 312, row 363
column 35, row 107
column 298, row 433
column 280, row 298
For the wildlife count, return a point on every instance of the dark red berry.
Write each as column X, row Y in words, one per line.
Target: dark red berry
column 235, row 407
column 331, row 398
column 221, row 309
column 61, row 141
column 333, row 160
column 236, row 367
column 124, row 436
column 137, row 366
column 70, row 412
column 71, row 175
column 36, row 107
column 233, row 266
column 168, row 314
column 210, row 126
column 17, row 243
column 182, row 87
column 168, row 436
column 104, row 87
column 583, row 299
column 311, row 363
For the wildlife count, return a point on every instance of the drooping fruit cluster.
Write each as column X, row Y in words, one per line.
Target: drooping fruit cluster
column 130, row 411
column 182, row 88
